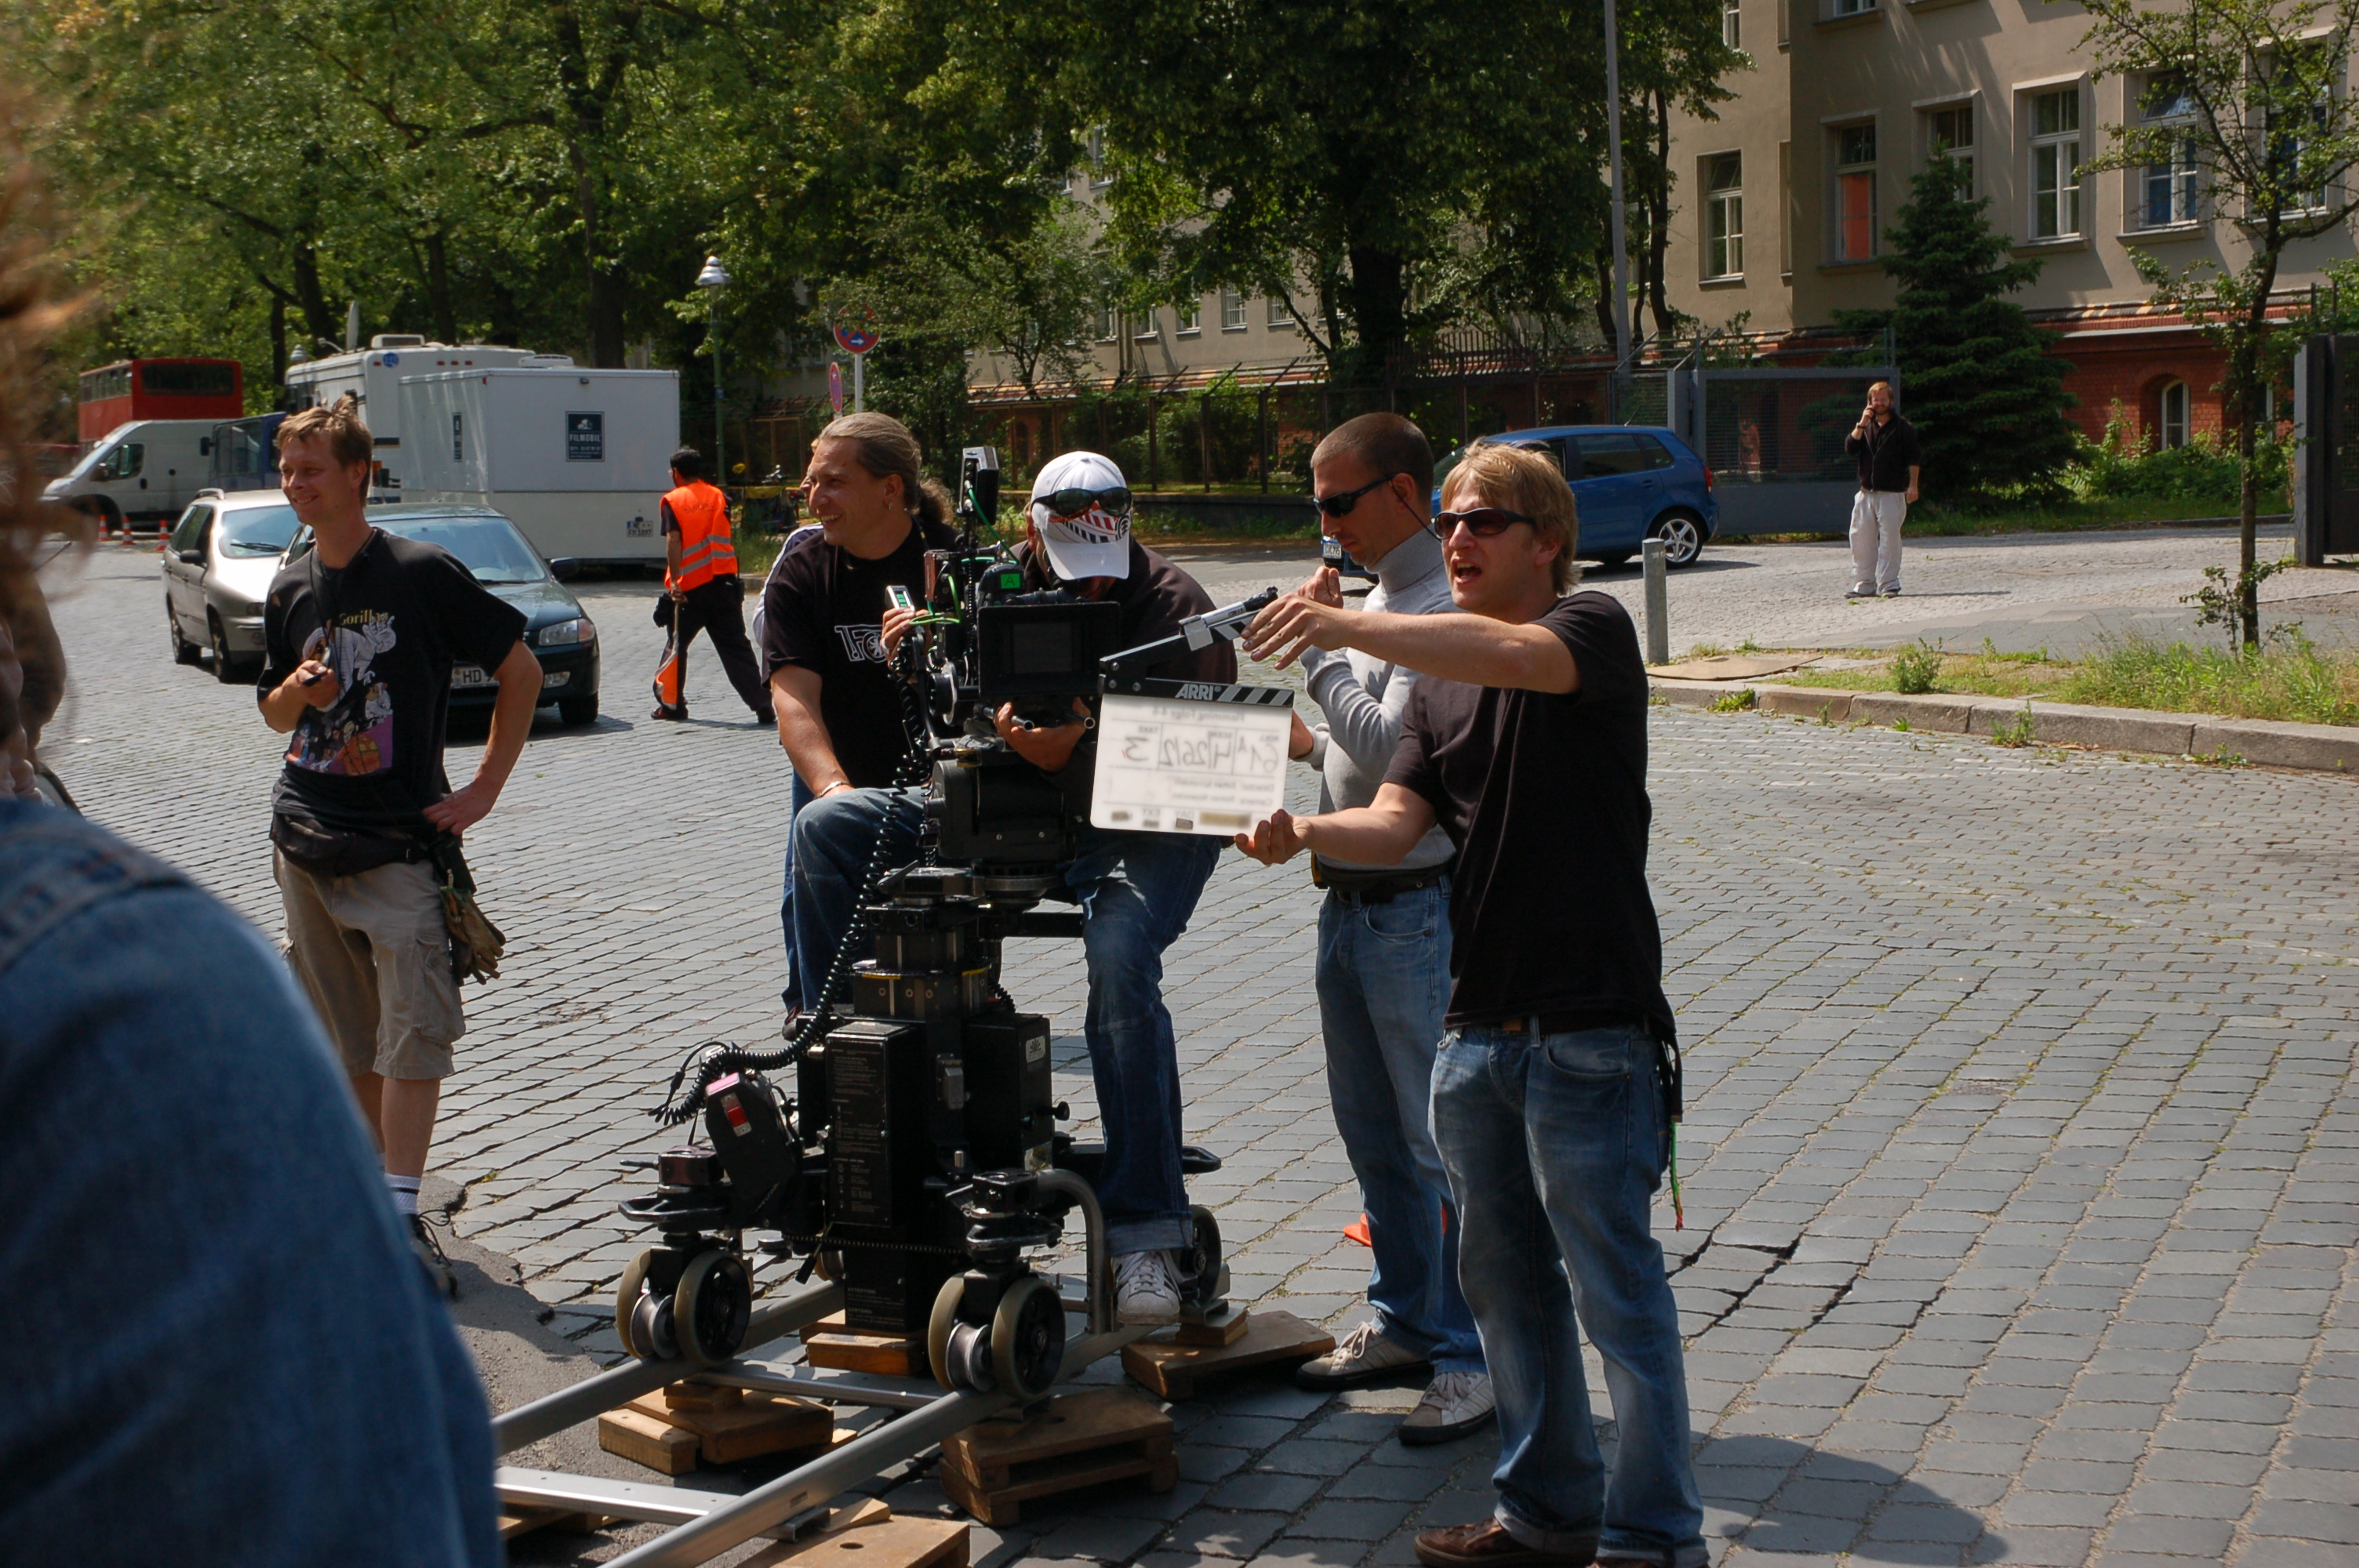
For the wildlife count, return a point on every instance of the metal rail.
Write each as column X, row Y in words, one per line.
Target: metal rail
column 553, row 1413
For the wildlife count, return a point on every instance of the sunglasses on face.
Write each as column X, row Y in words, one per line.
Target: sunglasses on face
column 1340, row 504
column 1073, row 502
column 1482, row 521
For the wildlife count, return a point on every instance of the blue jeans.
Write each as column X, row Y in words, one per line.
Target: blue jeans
column 1136, row 891
column 797, row 798
column 1555, row 1145
column 212, row 1308
column 1384, row 984
column 827, row 858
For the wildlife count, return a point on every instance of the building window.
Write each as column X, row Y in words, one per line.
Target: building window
column 1279, row 316
column 1109, row 323
column 2174, row 426
column 2168, row 188
column 1949, row 133
column 2056, row 164
column 1146, row 327
column 1851, row 7
column 1191, row 317
column 2290, row 139
column 1731, row 27
column 1725, row 216
column 1099, row 178
column 1855, row 205
column 1232, row 311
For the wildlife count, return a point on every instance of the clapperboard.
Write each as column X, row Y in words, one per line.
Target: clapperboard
column 1190, row 756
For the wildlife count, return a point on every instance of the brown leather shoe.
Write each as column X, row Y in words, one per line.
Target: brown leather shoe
column 1487, row 1544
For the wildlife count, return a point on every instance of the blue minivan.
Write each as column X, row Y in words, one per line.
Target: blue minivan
column 1633, row 482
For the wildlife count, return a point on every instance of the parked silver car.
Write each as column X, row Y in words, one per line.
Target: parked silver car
column 218, row 564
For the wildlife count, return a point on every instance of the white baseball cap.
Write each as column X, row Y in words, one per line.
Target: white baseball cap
column 1091, row 542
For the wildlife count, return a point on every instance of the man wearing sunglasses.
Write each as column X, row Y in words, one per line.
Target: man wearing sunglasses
column 1383, row 948
column 1554, row 1089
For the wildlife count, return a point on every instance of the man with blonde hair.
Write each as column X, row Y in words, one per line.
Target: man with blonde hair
column 1555, row 1088
column 359, row 636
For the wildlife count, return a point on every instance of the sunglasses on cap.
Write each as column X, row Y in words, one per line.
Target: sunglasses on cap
column 1482, row 521
column 1074, row 502
column 1340, row 503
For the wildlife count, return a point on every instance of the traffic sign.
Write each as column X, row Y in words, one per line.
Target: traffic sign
column 856, row 335
column 835, row 386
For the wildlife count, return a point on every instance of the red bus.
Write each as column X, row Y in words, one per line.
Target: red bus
column 161, row 389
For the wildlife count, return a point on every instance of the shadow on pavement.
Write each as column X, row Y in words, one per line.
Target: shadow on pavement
column 1787, row 1497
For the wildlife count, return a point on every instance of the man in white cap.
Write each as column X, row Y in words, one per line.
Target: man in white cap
column 1135, row 889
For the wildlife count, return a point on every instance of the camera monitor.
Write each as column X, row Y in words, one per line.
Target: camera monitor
column 1042, row 649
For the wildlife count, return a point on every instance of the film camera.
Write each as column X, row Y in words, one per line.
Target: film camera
column 913, row 1155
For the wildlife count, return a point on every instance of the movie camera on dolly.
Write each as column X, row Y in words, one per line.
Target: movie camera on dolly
column 913, row 1155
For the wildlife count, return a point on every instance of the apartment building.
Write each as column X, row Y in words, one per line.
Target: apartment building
column 1782, row 200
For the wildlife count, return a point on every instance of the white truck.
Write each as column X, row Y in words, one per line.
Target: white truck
column 374, row 375
column 143, row 471
column 578, row 459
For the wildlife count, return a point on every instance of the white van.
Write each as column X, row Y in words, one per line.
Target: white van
column 577, row 458
column 144, row 471
column 373, row 377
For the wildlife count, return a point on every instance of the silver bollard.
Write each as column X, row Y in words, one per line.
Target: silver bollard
column 1658, row 610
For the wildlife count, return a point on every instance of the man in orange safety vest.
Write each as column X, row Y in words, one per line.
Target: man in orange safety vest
column 702, row 592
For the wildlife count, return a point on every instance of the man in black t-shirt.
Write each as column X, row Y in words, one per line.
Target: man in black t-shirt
column 1885, row 445
column 1527, row 743
column 359, row 636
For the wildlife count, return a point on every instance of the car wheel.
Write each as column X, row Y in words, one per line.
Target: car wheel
column 183, row 651
column 1682, row 537
column 225, row 668
column 577, row 710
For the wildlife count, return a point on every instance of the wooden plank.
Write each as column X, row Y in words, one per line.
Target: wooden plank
column 517, row 1520
column 645, row 1440
column 1073, row 1424
column 895, row 1541
column 886, row 1358
column 761, row 1423
column 1004, row 1504
column 694, row 1396
column 1271, row 1338
column 1224, row 1327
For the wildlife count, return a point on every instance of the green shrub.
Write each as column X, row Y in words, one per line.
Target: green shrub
column 2204, row 470
column 1733, row 702
column 2291, row 680
column 1914, row 668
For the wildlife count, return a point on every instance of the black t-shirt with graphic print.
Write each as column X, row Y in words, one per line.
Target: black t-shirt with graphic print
column 823, row 608
column 1545, row 796
column 403, row 613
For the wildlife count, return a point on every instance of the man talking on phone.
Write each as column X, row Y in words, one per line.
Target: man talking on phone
column 1885, row 446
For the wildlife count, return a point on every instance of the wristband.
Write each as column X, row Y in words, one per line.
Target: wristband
column 840, row 784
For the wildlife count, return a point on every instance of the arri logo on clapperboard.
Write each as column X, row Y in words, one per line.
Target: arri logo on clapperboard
column 585, row 438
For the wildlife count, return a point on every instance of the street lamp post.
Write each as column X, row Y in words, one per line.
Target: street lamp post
column 713, row 280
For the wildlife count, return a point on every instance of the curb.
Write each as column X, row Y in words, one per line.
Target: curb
column 2329, row 747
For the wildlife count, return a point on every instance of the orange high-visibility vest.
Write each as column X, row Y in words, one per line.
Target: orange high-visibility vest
column 705, row 551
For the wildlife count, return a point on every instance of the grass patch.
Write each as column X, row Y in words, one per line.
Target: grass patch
column 1980, row 674
column 1733, row 702
column 2292, row 680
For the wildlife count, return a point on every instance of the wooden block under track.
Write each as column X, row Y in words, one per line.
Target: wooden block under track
column 517, row 1520
column 1080, row 1440
column 881, row 1539
column 1271, row 1338
column 758, row 1424
column 1226, row 1328
column 868, row 1353
column 647, row 1439
column 694, row 1396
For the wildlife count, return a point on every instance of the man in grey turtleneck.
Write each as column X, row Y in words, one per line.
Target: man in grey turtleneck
column 1383, row 948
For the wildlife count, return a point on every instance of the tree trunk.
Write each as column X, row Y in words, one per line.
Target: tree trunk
column 1658, row 216
column 2246, row 373
column 438, row 304
column 278, row 343
column 1604, row 264
column 1379, row 304
column 318, row 317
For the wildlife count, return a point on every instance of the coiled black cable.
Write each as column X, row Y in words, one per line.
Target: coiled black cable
column 705, row 1062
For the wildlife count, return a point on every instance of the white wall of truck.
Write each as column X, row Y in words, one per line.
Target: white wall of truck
column 578, row 459
column 374, row 375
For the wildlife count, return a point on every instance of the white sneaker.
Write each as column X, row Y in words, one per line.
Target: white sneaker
column 1455, row 1403
column 1362, row 1355
column 1146, row 1289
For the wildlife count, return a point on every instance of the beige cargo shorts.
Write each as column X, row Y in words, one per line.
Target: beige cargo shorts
column 374, row 954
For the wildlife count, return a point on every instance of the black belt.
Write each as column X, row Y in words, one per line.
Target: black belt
column 1571, row 1022
column 1376, row 887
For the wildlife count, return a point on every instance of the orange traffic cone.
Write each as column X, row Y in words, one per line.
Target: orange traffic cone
column 1358, row 1231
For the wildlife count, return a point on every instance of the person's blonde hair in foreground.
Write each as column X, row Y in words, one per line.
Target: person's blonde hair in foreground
column 222, row 1353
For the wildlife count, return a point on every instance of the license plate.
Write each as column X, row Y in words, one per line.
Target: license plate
column 463, row 675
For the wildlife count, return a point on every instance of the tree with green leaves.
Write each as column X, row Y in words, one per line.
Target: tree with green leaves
column 2249, row 102
column 1985, row 395
column 1384, row 167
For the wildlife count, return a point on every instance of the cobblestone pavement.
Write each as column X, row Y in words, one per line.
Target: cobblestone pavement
column 2019, row 1165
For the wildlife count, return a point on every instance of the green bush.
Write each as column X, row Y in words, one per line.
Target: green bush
column 2203, row 470
column 2292, row 680
column 1914, row 668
